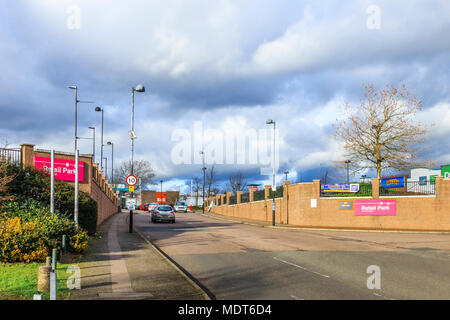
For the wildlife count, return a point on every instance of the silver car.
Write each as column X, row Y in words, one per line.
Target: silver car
column 180, row 206
column 163, row 213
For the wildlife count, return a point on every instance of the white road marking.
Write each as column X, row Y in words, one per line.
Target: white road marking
column 380, row 295
column 303, row 268
column 296, row 298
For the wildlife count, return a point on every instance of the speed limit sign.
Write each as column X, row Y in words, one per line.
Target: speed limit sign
column 131, row 180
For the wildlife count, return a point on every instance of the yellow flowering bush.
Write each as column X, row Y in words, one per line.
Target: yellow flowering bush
column 79, row 242
column 21, row 241
column 29, row 232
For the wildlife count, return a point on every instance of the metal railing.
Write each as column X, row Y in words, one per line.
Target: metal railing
column 245, row 197
column 412, row 188
column 365, row 190
column 259, row 195
column 233, row 200
column 279, row 192
column 11, row 155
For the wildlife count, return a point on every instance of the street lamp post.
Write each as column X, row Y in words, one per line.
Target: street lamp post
column 286, row 173
column 161, row 197
column 270, row 121
column 75, row 211
column 106, row 167
column 347, row 162
column 203, row 187
column 109, row 143
column 139, row 88
column 98, row 109
column 93, row 142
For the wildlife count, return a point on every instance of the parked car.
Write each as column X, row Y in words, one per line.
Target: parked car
column 163, row 213
column 145, row 206
column 152, row 206
column 180, row 206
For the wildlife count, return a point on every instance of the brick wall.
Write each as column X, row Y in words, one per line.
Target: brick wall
column 149, row 196
column 415, row 213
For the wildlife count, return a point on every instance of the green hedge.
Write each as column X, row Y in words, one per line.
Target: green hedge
column 34, row 184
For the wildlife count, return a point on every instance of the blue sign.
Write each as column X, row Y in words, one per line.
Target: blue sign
column 353, row 187
column 423, row 181
column 395, row 182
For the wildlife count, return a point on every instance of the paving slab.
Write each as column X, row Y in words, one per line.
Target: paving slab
column 122, row 266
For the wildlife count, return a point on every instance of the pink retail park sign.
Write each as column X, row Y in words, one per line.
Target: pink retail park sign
column 64, row 169
column 375, row 208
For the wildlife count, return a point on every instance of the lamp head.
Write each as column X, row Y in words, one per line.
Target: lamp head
column 91, row 127
column 269, row 121
column 139, row 88
column 72, row 87
column 109, row 143
column 98, row 109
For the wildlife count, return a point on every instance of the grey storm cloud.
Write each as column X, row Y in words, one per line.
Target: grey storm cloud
column 212, row 61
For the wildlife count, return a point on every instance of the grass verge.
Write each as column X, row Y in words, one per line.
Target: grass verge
column 18, row 281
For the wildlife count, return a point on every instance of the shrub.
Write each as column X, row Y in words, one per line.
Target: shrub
column 79, row 242
column 34, row 184
column 21, row 241
column 49, row 229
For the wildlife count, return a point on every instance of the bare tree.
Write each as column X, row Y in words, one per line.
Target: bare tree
column 211, row 180
column 237, row 182
column 382, row 133
column 197, row 188
column 142, row 169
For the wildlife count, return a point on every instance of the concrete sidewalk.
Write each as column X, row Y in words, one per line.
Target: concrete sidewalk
column 122, row 265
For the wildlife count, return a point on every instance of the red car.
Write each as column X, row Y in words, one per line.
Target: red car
column 143, row 207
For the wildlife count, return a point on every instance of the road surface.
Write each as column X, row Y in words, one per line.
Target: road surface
column 239, row 261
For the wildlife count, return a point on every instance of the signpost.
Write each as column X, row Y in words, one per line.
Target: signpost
column 348, row 187
column 393, row 182
column 375, row 207
column 130, row 203
column 131, row 181
column 64, row 169
column 445, row 171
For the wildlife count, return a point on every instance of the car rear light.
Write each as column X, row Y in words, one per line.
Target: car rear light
column 156, row 211
column 172, row 212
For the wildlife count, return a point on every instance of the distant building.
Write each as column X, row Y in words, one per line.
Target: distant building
column 149, row 196
column 418, row 174
column 422, row 180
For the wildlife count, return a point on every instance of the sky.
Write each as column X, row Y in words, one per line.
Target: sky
column 225, row 66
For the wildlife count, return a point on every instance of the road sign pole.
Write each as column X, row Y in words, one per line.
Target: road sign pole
column 52, row 183
column 131, row 181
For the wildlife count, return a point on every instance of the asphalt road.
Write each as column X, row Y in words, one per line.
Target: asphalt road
column 238, row 261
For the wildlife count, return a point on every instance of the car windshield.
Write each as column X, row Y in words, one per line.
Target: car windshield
column 165, row 208
column 180, row 204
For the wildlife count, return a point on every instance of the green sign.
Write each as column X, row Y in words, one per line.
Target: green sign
column 433, row 179
column 445, row 172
